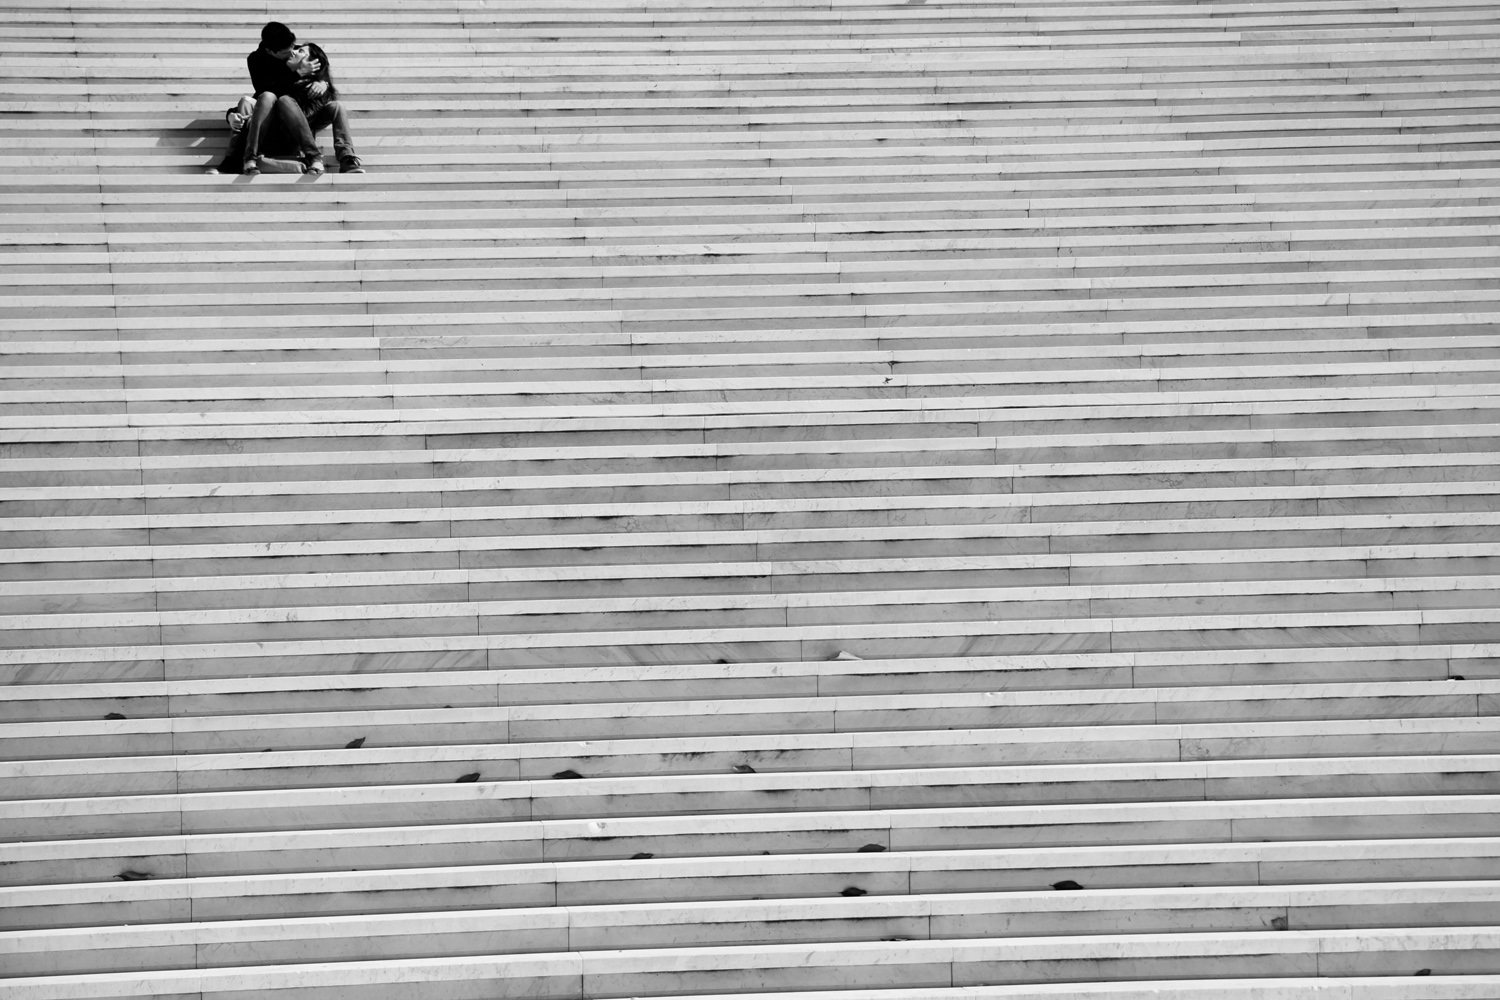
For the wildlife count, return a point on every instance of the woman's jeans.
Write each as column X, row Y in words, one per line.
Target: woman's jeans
column 276, row 127
column 332, row 113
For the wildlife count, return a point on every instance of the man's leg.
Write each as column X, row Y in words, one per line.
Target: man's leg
column 265, row 102
column 234, row 156
column 333, row 113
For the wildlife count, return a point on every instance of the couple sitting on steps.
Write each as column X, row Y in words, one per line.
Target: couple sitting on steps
column 294, row 99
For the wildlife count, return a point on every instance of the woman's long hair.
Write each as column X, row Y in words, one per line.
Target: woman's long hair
column 315, row 51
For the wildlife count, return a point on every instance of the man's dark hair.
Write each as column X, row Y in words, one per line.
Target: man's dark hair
column 276, row 36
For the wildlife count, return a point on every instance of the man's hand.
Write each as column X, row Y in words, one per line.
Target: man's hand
column 317, row 88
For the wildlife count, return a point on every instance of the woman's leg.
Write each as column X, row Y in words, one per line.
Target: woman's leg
column 290, row 117
column 333, row 113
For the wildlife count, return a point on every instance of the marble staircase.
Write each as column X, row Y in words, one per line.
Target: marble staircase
column 853, row 500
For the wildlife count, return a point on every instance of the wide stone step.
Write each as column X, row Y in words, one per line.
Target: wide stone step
column 430, row 764
column 1177, row 361
column 878, row 918
column 1125, row 607
column 34, row 699
column 764, row 642
column 1417, row 570
column 654, row 972
column 1036, row 832
column 548, row 723
column 665, row 880
column 477, row 540
column 699, row 795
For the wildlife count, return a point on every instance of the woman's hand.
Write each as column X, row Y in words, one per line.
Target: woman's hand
column 317, row 88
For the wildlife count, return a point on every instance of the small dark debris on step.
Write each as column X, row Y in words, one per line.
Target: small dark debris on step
column 1066, row 883
column 114, row 715
column 743, row 769
column 355, row 744
column 871, row 849
column 643, row 856
column 853, row 890
column 133, row 876
column 464, row 779
column 569, row 773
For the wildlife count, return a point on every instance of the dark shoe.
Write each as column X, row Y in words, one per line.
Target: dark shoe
column 351, row 165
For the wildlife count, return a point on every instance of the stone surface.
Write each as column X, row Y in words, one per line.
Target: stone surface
column 750, row 497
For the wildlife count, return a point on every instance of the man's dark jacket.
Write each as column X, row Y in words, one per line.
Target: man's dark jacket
column 269, row 73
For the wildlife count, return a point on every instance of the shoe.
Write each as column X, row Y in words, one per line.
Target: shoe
column 210, row 170
column 351, row 166
column 315, row 168
column 252, row 166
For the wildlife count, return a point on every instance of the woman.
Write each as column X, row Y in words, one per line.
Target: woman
column 319, row 100
column 310, row 62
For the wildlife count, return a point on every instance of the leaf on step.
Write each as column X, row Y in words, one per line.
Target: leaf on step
column 569, row 773
column 114, row 715
column 464, row 779
column 743, row 769
column 644, row 855
column 355, row 744
column 133, row 876
column 1066, row 883
column 853, row 890
column 871, row 849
